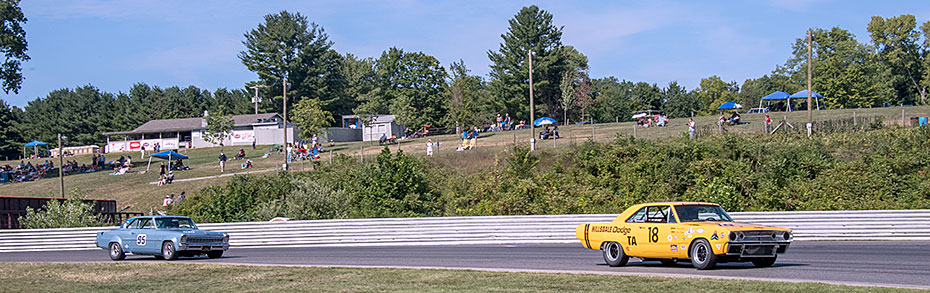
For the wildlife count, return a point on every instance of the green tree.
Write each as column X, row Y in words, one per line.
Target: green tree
column 531, row 29
column 846, row 72
column 896, row 40
column 10, row 139
column 13, row 45
column 713, row 92
column 467, row 98
column 411, row 87
column 310, row 117
column 67, row 214
column 219, row 127
column 567, row 86
column 287, row 44
column 613, row 99
column 647, row 96
column 679, row 102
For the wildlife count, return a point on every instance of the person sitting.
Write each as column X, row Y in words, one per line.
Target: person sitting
column 383, row 139
column 169, row 178
column 241, row 154
column 247, row 165
column 555, row 132
column 734, row 119
column 545, row 134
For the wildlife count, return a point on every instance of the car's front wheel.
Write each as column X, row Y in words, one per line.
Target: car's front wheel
column 614, row 255
column 116, row 252
column 764, row 262
column 702, row 256
column 168, row 252
column 215, row 254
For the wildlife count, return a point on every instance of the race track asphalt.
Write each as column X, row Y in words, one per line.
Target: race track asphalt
column 882, row 263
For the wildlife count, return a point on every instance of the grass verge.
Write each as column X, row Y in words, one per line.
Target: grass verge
column 113, row 277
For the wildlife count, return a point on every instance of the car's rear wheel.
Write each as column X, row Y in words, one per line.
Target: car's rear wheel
column 116, row 252
column 168, row 252
column 614, row 255
column 764, row 262
column 215, row 254
column 702, row 256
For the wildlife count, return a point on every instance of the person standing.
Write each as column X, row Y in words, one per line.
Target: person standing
column 507, row 121
column 691, row 128
column 429, row 147
column 253, row 144
column 768, row 123
column 500, row 122
column 222, row 159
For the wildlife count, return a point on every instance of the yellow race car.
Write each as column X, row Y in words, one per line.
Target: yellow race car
column 673, row 231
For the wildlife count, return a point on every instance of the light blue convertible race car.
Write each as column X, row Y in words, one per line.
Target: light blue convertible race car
column 165, row 237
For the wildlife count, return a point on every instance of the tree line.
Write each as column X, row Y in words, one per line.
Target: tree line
column 892, row 69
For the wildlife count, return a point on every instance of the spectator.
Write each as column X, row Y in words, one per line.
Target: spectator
column 768, row 123
column 555, row 131
column 429, row 147
column 222, row 160
column 168, row 200
column 383, row 139
column 241, row 154
column 181, row 197
column 161, row 171
column 507, row 121
column 690, row 128
column 253, row 144
column 499, row 122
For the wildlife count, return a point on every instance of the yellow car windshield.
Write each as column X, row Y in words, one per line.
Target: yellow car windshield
column 701, row 213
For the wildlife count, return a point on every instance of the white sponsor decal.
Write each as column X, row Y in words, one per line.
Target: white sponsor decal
column 669, row 237
column 700, row 230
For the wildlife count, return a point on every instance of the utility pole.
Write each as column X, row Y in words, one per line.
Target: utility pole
column 61, row 166
column 256, row 99
column 529, row 57
column 284, row 94
column 810, row 91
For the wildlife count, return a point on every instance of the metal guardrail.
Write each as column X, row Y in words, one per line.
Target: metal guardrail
column 809, row 225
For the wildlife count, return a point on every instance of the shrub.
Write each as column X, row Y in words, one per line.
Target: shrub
column 69, row 213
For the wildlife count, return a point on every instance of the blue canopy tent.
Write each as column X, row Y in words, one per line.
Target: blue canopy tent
column 165, row 155
column 803, row 95
column 777, row 95
column 34, row 144
column 544, row 121
column 729, row 106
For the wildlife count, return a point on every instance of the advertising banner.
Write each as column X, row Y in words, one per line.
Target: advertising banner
column 242, row 136
column 116, row 146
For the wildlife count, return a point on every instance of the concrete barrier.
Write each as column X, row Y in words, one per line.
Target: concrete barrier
column 808, row 225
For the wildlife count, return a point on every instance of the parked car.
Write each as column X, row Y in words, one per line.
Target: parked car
column 758, row 110
column 165, row 237
column 671, row 231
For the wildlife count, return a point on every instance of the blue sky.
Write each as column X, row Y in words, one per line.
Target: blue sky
column 113, row 44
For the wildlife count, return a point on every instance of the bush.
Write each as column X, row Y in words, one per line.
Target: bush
column 69, row 213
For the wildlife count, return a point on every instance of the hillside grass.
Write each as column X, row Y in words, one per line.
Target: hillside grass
column 134, row 191
column 123, row 277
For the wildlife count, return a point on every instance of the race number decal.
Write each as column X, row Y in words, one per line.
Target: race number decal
column 140, row 240
column 654, row 234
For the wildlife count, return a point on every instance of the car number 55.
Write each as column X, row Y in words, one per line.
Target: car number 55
column 140, row 240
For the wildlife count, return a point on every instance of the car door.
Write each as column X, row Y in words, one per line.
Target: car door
column 139, row 236
column 127, row 235
column 637, row 234
column 656, row 232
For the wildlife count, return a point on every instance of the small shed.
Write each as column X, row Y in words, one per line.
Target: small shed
column 373, row 126
column 77, row 150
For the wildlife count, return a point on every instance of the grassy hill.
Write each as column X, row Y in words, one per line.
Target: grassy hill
column 134, row 189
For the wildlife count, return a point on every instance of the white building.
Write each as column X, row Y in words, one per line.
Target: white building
column 373, row 129
column 263, row 129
